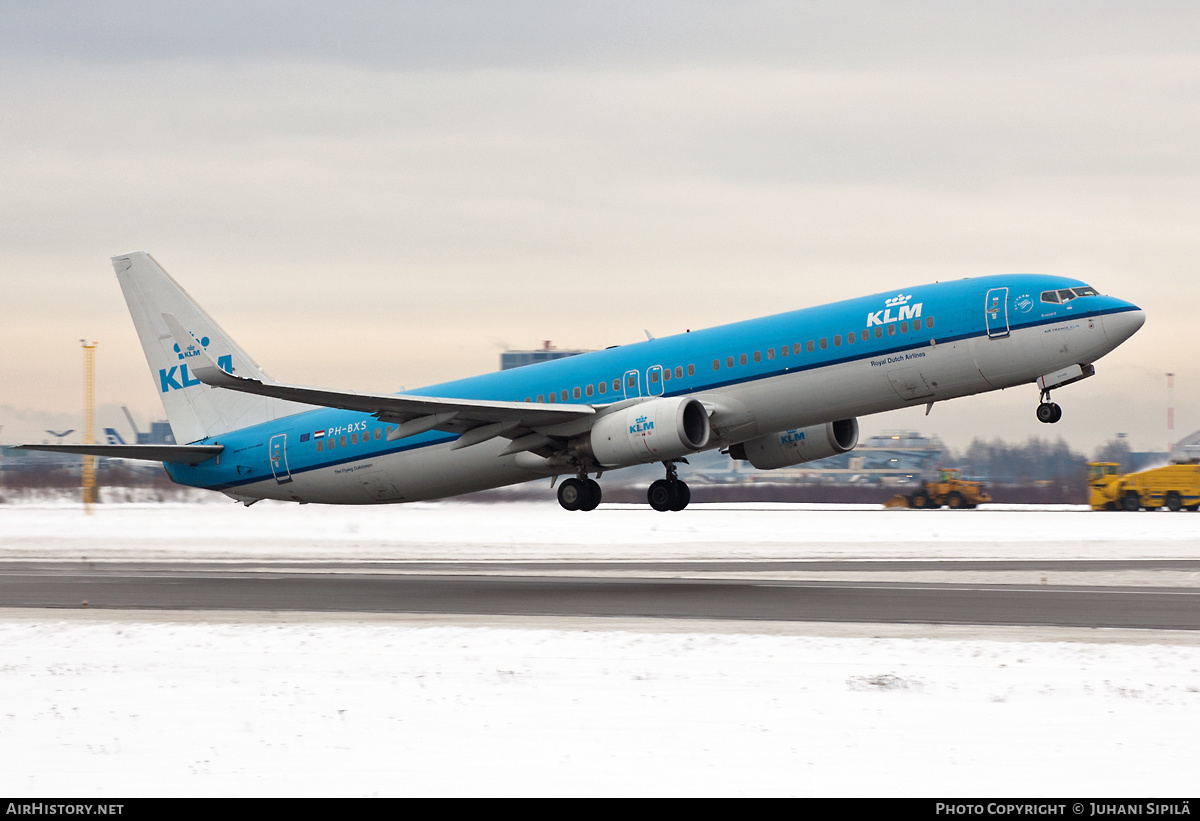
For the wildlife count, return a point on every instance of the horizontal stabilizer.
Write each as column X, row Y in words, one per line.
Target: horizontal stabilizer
column 182, row 454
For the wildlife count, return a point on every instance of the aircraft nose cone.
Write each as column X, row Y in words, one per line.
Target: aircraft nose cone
column 1119, row 327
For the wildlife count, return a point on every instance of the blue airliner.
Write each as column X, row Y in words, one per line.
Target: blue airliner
column 775, row 391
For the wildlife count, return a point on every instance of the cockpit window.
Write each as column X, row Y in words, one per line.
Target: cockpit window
column 1067, row 294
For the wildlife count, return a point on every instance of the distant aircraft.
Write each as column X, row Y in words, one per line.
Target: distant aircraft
column 775, row 391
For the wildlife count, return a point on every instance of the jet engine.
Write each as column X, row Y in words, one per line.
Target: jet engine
column 794, row 447
column 653, row 431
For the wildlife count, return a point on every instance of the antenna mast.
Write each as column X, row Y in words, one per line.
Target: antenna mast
column 89, row 423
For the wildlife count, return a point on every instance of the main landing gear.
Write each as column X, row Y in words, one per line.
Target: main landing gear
column 670, row 493
column 582, row 493
column 579, row 494
column 1048, row 412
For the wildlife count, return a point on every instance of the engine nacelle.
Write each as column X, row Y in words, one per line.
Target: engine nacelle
column 652, row 431
column 794, row 447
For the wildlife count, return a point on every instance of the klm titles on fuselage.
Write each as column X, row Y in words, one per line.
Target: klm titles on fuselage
column 900, row 303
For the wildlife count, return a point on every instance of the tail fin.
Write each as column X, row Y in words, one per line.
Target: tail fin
column 195, row 410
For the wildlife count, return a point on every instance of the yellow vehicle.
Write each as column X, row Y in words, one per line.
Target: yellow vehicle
column 1175, row 487
column 948, row 490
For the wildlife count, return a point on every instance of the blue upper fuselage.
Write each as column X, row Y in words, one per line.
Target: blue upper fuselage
column 698, row 361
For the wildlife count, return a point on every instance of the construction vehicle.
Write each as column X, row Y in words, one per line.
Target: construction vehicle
column 949, row 490
column 1175, row 487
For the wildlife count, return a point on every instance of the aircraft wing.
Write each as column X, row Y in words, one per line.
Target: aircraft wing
column 412, row 414
column 184, row 454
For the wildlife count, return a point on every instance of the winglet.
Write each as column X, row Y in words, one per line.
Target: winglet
column 205, row 368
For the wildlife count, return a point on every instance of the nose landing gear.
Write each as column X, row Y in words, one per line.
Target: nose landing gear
column 670, row 493
column 1048, row 412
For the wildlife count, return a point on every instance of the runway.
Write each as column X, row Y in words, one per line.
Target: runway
column 720, row 590
column 515, row 645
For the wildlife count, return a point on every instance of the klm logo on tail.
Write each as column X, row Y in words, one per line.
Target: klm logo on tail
column 167, row 377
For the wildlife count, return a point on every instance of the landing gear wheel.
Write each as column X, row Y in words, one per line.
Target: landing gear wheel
column 682, row 495
column 594, row 494
column 660, row 495
column 573, row 494
column 1049, row 412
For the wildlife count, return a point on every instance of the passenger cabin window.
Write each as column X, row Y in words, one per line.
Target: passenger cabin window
column 758, row 356
column 576, row 393
column 716, row 364
column 691, row 370
column 742, row 359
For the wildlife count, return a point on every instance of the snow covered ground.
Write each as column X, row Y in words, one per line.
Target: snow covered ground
column 129, row 704
column 541, row 531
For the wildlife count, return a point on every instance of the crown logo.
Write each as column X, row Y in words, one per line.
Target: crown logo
column 191, row 350
column 898, row 299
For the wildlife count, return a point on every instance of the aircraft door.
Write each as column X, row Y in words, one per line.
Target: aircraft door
column 631, row 383
column 654, row 381
column 995, row 313
column 277, row 452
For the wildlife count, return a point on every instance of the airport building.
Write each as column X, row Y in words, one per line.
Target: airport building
column 516, row 359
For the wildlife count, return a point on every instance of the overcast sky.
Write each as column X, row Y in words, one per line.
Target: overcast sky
column 378, row 195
